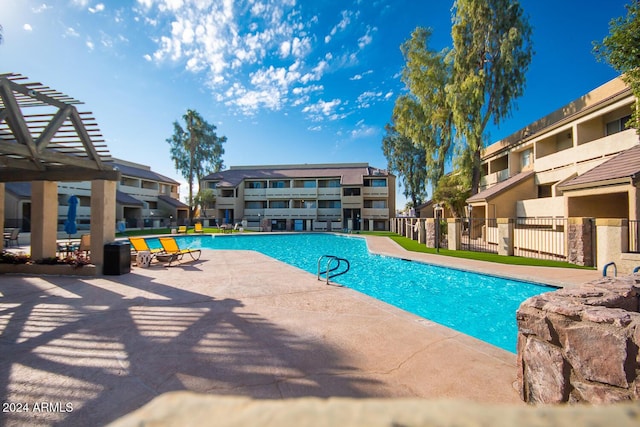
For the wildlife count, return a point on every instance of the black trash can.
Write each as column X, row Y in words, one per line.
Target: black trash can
column 117, row 258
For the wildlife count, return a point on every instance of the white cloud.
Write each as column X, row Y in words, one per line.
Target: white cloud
column 27, row 27
column 360, row 76
column 42, row 8
column 256, row 53
column 90, row 45
column 366, row 98
column 363, row 131
column 324, row 110
column 340, row 26
column 98, row 8
column 71, row 32
column 367, row 38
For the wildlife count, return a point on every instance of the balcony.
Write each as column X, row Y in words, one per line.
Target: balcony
column 255, row 193
column 352, row 201
column 331, row 193
column 291, row 193
column 494, row 178
column 299, row 213
column 375, row 192
column 329, row 213
column 225, row 202
column 591, row 150
column 375, row 213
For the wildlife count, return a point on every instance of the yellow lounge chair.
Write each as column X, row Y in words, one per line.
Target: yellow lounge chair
column 197, row 228
column 173, row 251
column 182, row 229
column 140, row 244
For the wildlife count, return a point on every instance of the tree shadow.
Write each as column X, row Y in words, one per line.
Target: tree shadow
column 107, row 346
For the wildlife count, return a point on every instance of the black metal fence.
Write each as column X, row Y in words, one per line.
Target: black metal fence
column 479, row 235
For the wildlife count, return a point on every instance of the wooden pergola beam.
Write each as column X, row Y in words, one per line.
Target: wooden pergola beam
column 65, row 173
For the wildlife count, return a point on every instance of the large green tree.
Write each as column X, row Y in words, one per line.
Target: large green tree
column 407, row 160
column 196, row 150
column 423, row 115
column 621, row 49
column 492, row 50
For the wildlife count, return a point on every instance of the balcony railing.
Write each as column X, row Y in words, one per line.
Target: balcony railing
column 375, row 192
column 375, row 213
column 591, row 150
column 297, row 213
column 494, row 178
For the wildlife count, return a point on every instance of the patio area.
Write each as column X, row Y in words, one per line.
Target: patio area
column 233, row 323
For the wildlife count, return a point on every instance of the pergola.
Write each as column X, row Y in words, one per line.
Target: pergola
column 54, row 142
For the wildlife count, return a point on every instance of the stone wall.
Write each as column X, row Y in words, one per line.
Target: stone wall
column 580, row 233
column 581, row 344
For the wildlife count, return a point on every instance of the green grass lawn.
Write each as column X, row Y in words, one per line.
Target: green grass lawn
column 414, row 246
column 156, row 231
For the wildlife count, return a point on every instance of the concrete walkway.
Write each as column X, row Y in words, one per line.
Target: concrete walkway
column 233, row 323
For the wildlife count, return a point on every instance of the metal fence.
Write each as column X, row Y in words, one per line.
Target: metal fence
column 634, row 236
column 479, row 235
column 542, row 238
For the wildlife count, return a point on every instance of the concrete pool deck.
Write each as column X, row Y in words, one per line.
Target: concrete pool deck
column 233, row 323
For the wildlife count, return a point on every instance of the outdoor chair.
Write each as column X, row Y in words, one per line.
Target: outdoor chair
column 182, row 229
column 173, row 252
column 12, row 237
column 197, row 228
column 139, row 244
column 85, row 244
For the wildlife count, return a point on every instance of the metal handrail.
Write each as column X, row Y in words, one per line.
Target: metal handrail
column 328, row 269
column 615, row 269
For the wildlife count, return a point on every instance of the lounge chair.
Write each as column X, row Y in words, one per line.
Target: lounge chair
column 197, row 228
column 173, row 251
column 182, row 229
column 139, row 244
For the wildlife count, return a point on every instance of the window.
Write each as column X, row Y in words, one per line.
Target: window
column 329, row 204
column 152, row 205
column 329, row 183
column 278, row 204
column 278, row 184
column 525, row 158
column 304, row 204
column 376, row 182
column 375, row 204
column 351, row 191
column 617, row 125
column 256, row 184
column 254, row 205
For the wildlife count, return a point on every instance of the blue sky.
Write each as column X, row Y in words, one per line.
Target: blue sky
column 287, row 81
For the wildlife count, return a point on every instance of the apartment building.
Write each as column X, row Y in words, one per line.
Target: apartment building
column 579, row 161
column 144, row 198
column 316, row 197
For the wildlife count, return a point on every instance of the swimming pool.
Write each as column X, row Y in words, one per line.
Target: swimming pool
column 475, row 304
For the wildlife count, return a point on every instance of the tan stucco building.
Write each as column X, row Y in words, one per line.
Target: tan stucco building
column 579, row 161
column 316, row 197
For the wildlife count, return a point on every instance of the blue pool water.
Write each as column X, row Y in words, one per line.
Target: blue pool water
column 478, row 305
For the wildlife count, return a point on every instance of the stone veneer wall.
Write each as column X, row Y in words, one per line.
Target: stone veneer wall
column 581, row 344
column 580, row 234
